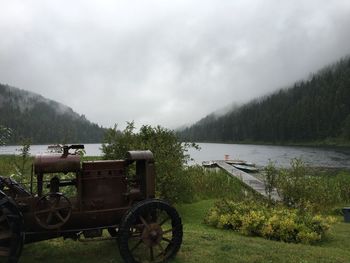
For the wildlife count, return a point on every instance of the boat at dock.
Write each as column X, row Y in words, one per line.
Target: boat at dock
column 246, row 168
column 209, row 164
column 239, row 164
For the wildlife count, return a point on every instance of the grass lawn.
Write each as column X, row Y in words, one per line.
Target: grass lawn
column 203, row 244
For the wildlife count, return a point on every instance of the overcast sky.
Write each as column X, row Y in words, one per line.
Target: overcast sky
column 165, row 62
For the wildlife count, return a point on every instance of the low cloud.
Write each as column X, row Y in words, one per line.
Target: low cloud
column 165, row 62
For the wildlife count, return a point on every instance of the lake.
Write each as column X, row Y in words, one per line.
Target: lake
column 258, row 154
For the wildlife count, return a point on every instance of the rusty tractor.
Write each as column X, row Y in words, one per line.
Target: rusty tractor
column 70, row 198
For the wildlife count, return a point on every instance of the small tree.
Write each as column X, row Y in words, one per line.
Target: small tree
column 22, row 162
column 5, row 134
column 170, row 155
column 295, row 185
column 271, row 177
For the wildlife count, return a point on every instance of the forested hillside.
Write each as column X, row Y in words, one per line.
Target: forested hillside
column 314, row 110
column 31, row 116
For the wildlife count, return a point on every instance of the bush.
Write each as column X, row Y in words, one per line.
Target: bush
column 5, row 134
column 276, row 223
column 306, row 188
column 169, row 154
column 295, row 185
column 271, row 177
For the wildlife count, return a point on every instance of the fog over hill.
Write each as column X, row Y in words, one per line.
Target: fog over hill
column 41, row 120
column 313, row 110
column 165, row 62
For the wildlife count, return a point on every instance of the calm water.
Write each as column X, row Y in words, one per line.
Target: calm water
column 258, row 154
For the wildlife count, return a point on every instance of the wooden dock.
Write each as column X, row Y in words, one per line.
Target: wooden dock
column 248, row 179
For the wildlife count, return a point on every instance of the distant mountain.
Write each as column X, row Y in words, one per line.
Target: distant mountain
column 314, row 110
column 31, row 116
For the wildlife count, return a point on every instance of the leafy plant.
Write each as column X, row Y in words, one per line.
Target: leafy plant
column 5, row 134
column 24, row 154
column 294, row 185
column 277, row 223
column 271, row 177
column 22, row 163
column 306, row 188
column 170, row 155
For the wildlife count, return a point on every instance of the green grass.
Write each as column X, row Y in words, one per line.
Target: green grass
column 202, row 243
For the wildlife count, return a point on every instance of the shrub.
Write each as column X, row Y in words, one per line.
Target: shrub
column 5, row 134
column 293, row 184
column 276, row 223
column 271, row 177
column 253, row 222
column 169, row 154
column 307, row 188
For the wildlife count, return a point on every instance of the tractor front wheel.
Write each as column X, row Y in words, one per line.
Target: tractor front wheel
column 151, row 231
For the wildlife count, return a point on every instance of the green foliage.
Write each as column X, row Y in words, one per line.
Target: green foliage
column 315, row 110
column 276, row 223
column 213, row 183
column 295, row 184
column 169, row 154
column 270, row 179
column 21, row 163
column 6, row 165
column 5, row 134
column 303, row 187
column 18, row 166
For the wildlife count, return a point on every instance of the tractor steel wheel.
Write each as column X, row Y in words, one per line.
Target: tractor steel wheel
column 11, row 236
column 151, row 231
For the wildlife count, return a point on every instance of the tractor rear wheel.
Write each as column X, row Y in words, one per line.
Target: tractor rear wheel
column 11, row 236
column 151, row 231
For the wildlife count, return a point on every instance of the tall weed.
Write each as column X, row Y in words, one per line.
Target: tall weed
column 214, row 183
column 308, row 188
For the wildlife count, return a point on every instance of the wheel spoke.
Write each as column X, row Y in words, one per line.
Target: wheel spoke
column 167, row 240
column 57, row 213
column 161, row 249
column 43, row 211
column 144, row 222
column 61, row 208
column 168, row 231
column 136, row 246
column 57, row 199
column 49, row 218
column 164, row 220
column 136, row 235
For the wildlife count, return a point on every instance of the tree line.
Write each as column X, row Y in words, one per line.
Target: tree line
column 313, row 110
column 31, row 117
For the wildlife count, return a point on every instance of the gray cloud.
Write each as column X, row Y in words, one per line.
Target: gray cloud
column 165, row 62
